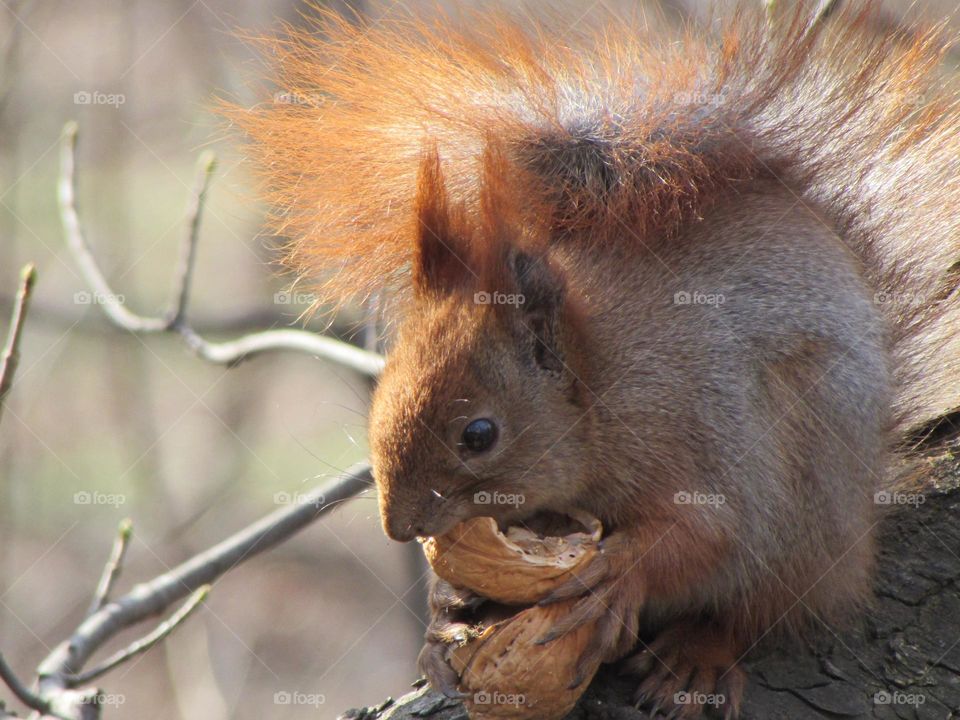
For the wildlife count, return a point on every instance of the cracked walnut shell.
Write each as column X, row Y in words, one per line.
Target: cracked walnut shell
column 503, row 672
column 519, row 567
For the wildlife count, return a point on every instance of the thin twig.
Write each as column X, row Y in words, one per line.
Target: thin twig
column 188, row 249
column 233, row 351
column 104, row 295
column 11, row 351
column 60, row 668
column 226, row 353
column 146, row 642
column 23, row 693
column 112, row 569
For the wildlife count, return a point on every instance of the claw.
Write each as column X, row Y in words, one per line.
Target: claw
column 640, row 699
column 579, row 584
column 639, row 665
column 583, row 611
column 588, row 661
column 443, row 678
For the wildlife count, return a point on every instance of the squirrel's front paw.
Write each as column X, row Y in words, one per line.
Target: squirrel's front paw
column 449, row 610
column 611, row 594
column 435, row 667
column 687, row 668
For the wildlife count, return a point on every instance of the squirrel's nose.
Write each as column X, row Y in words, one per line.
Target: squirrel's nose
column 399, row 528
column 403, row 533
column 408, row 516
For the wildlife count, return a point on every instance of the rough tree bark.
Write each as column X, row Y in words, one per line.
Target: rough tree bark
column 901, row 661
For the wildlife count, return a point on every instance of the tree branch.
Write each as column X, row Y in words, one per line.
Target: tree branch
column 23, row 693
column 145, row 643
column 232, row 352
column 188, row 249
column 62, row 669
column 11, row 351
column 111, row 570
column 226, row 353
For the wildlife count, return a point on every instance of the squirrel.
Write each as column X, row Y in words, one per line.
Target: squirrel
column 704, row 289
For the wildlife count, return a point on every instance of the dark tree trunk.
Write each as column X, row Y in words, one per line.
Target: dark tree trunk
column 902, row 661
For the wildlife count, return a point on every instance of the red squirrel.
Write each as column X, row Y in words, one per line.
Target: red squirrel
column 704, row 289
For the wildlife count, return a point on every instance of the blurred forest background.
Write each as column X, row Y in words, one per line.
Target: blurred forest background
column 103, row 425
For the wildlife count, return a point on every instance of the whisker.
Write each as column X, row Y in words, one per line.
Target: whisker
column 344, row 407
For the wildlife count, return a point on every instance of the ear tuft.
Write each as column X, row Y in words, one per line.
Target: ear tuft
column 438, row 267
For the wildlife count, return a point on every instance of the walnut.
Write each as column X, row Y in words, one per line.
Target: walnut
column 517, row 568
column 503, row 672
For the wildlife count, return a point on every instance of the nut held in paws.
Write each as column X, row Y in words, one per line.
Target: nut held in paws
column 503, row 672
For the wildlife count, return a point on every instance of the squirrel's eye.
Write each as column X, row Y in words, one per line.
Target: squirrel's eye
column 480, row 435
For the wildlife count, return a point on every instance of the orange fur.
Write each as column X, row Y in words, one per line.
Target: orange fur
column 624, row 134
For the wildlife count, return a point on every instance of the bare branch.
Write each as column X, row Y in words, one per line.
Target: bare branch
column 234, row 351
column 67, row 196
column 112, row 569
column 188, row 249
column 11, row 351
column 145, row 643
column 227, row 353
column 23, row 693
column 62, row 668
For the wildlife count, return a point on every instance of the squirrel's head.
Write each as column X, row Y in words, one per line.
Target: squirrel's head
column 480, row 409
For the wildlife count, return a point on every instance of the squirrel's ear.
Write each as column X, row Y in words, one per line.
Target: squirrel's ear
column 541, row 308
column 437, row 266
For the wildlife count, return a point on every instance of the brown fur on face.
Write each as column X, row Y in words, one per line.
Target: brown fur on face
column 468, row 364
column 497, row 340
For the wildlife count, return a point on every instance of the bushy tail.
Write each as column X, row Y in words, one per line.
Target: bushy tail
column 624, row 127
